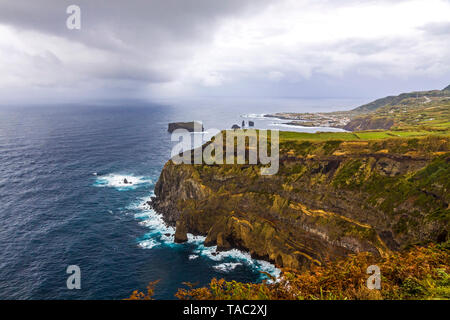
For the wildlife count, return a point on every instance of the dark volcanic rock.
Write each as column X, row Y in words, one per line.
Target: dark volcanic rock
column 181, row 232
column 192, row 126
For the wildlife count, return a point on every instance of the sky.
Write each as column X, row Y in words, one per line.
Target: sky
column 152, row 50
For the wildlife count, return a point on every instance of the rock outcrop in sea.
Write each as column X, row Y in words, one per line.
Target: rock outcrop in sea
column 192, row 126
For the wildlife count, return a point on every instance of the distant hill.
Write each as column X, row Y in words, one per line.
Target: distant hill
column 394, row 100
column 427, row 110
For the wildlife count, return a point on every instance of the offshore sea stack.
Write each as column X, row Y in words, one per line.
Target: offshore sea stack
column 192, row 126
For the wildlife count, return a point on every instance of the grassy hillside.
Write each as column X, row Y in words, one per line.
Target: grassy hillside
column 395, row 100
column 413, row 114
column 363, row 135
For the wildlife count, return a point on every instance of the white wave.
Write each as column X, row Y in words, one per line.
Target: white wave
column 213, row 254
column 195, row 239
column 238, row 256
column 254, row 116
column 148, row 244
column 227, row 266
column 262, row 116
column 121, row 182
column 160, row 233
column 193, row 256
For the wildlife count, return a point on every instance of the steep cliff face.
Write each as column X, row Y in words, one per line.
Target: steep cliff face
column 328, row 199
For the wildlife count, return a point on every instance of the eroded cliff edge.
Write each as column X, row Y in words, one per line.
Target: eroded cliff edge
column 329, row 199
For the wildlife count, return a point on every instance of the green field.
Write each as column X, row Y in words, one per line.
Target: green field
column 353, row 136
column 319, row 136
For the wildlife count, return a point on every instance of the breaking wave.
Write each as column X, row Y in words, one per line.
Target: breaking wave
column 227, row 266
column 121, row 182
column 254, row 116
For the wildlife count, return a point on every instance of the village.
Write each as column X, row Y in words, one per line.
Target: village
column 329, row 119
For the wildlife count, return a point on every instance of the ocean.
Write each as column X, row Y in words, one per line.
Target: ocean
column 63, row 201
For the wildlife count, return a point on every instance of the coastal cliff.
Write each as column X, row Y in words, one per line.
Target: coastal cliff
column 329, row 199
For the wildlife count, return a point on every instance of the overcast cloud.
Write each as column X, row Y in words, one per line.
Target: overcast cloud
column 184, row 48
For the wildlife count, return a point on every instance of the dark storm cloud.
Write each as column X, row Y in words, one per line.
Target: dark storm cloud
column 146, row 48
column 109, row 23
column 142, row 37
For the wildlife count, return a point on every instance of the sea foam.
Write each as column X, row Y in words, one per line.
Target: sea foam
column 236, row 256
column 227, row 266
column 118, row 181
column 254, row 116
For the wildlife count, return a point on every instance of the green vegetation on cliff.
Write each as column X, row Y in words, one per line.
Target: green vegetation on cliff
column 395, row 100
column 424, row 111
column 331, row 197
column 432, row 116
column 417, row 273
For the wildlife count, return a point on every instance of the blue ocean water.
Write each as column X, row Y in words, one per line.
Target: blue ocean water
column 63, row 201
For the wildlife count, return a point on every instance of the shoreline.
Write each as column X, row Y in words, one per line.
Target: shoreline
column 337, row 120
